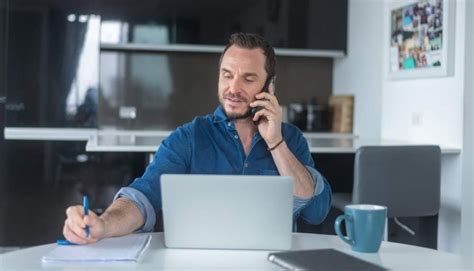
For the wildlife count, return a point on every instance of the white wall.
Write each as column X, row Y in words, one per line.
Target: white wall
column 468, row 142
column 428, row 110
column 360, row 72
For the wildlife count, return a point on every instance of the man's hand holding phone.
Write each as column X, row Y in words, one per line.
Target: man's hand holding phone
column 269, row 117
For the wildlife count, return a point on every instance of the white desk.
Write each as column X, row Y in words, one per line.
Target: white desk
column 391, row 255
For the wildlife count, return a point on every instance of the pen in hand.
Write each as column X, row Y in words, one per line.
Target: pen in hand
column 65, row 243
column 85, row 202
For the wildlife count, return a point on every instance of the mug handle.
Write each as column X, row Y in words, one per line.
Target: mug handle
column 337, row 227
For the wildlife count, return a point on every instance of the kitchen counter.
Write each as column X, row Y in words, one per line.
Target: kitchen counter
column 109, row 140
column 149, row 141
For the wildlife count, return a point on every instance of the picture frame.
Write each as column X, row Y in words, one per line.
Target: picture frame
column 421, row 39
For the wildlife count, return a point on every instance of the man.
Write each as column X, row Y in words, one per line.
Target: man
column 233, row 140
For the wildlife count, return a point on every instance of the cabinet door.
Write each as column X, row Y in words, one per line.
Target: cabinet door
column 301, row 24
column 320, row 25
column 52, row 72
column 3, row 18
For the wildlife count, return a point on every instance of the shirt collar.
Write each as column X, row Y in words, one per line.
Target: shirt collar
column 219, row 115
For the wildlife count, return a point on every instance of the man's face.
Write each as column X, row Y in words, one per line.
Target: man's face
column 241, row 76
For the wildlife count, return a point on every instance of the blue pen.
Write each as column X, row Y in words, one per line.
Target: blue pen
column 65, row 243
column 85, row 202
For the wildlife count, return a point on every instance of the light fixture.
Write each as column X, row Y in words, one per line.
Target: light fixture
column 71, row 18
column 83, row 18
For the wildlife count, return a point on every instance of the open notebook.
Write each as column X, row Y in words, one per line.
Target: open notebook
column 117, row 249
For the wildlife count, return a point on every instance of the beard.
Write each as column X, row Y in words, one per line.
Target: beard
column 235, row 116
column 245, row 115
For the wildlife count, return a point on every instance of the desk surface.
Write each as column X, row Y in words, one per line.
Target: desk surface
column 391, row 255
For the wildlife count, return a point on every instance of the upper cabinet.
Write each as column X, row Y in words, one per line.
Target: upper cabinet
column 52, row 63
column 300, row 27
column 76, row 63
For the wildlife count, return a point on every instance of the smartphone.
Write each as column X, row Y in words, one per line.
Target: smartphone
column 270, row 80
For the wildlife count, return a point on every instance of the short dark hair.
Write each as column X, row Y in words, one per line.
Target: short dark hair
column 252, row 41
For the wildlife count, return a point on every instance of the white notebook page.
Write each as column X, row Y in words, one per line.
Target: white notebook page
column 117, row 249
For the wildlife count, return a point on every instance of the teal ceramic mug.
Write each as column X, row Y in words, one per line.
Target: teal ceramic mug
column 365, row 225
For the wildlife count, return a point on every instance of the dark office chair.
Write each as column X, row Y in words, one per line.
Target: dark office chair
column 406, row 179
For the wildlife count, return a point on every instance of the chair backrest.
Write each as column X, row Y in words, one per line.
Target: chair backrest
column 406, row 179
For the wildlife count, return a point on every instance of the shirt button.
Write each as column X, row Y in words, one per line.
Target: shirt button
column 246, row 165
column 236, row 136
column 229, row 124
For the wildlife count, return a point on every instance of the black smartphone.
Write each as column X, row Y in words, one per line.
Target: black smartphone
column 264, row 89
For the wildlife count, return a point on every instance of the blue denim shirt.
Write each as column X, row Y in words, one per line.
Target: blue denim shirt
column 210, row 145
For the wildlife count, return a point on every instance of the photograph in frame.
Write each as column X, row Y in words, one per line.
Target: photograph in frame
column 421, row 38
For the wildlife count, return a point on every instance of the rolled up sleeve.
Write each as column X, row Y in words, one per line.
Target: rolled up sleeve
column 318, row 179
column 142, row 203
column 314, row 209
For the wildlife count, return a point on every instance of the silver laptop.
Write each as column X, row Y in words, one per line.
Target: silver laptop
column 227, row 211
